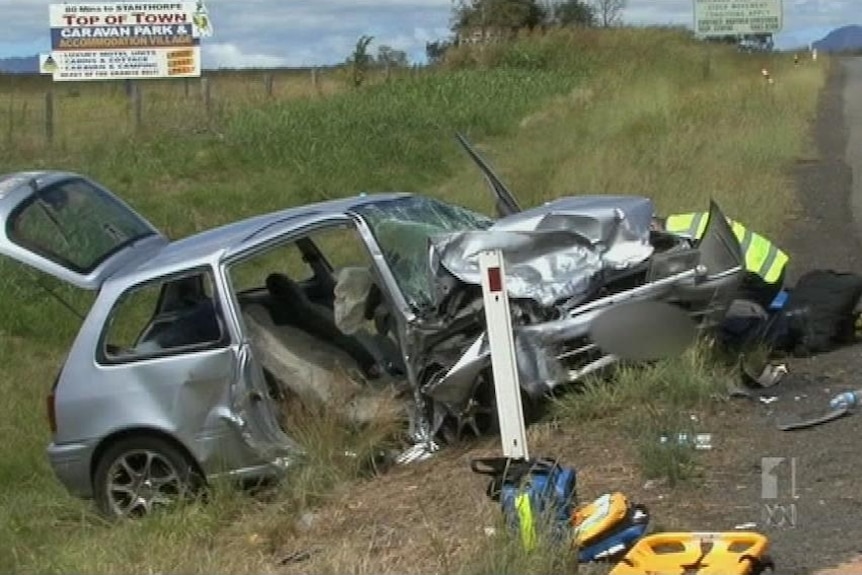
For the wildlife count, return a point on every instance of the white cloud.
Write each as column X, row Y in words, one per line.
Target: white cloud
column 231, row 56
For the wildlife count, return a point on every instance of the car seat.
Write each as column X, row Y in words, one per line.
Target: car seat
column 292, row 306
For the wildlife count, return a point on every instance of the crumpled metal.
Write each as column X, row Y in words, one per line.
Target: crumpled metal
column 555, row 251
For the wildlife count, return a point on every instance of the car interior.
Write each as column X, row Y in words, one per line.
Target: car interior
column 292, row 315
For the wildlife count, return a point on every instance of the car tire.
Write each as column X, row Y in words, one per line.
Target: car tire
column 136, row 475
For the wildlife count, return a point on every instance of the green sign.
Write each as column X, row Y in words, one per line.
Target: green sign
column 737, row 17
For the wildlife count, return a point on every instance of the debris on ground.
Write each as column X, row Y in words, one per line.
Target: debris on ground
column 847, row 399
column 770, row 375
column 814, row 421
column 297, row 556
column 746, row 526
column 653, row 483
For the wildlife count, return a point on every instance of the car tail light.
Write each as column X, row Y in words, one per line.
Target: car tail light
column 51, row 406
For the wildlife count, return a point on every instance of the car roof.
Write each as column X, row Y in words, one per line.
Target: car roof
column 205, row 245
column 208, row 245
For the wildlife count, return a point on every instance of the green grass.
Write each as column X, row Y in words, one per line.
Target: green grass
column 622, row 111
column 654, row 401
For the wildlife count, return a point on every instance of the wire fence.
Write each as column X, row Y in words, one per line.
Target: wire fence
column 37, row 114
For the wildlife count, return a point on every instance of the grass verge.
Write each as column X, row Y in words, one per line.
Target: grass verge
column 656, row 404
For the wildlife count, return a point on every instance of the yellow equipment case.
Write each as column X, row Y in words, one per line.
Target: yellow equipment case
column 730, row 553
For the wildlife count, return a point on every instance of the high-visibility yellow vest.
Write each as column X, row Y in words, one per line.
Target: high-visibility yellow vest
column 761, row 256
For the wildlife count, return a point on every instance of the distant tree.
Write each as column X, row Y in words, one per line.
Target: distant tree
column 573, row 13
column 498, row 15
column 609, row 12
column 360, row 59
column 388, row 56
column 434, row 51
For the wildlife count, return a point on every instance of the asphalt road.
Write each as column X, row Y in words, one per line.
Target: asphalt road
column 803, row 488
column 853, row 122
column 825, row 485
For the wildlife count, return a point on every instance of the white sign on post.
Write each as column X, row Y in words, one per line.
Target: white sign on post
column 504, row 365
column 127, row 40
column 738, row 17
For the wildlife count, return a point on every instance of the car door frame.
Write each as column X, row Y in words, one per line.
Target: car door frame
column 292, row 231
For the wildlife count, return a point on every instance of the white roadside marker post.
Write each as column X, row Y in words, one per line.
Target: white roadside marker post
column 501, row 342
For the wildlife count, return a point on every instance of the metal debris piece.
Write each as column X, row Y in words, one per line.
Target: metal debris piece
column 418, row 452
column 703, row 441
column 653, row 483
column 806, row 423
column 736, row 391
column 295, row 557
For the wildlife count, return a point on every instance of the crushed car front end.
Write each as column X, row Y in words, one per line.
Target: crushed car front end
column 568, row 263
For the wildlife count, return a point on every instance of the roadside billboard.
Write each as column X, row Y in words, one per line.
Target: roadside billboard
column 127, row 40
column 738, row 17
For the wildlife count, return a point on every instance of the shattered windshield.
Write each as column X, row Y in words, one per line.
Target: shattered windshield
column 403, row 227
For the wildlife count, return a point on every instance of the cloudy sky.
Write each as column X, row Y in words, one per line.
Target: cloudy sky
column 317, row 32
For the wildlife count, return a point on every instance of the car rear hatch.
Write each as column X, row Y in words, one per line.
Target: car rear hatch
column 70, row 227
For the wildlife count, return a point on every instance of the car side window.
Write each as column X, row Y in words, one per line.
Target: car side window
column 341, row 246
column 163, row 318
column 286, row 258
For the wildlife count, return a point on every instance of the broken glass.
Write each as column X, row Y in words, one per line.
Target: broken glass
column 404, row 229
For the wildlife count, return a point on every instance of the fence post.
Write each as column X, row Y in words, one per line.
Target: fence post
column 206, row 93
column 137, row 106
column 267, row 84
column 49, row 116
column 11, row 116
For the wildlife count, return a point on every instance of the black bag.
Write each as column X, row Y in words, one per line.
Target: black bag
column 820, row 312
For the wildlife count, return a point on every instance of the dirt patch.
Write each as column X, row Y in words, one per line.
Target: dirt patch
column 432, row 516
column 853, row 567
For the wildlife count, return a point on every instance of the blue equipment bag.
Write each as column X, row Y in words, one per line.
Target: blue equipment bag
column 531, row 492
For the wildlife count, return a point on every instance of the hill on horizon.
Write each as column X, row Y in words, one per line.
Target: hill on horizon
column 844, row 39
column 20, row 65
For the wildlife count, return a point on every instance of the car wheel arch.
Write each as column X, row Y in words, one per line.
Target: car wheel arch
column 137, row 432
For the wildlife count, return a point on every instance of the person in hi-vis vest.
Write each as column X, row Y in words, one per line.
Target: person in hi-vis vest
column 764, row 262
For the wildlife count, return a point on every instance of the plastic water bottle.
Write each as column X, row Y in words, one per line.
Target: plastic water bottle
column 846, row 399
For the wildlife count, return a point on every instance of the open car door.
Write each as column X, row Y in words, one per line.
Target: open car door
column 503, row 198
column 70, row 227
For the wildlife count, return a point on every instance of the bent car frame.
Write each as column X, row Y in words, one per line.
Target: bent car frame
column 181, row 365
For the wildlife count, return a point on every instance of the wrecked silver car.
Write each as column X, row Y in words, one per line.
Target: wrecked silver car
column 179, row 369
